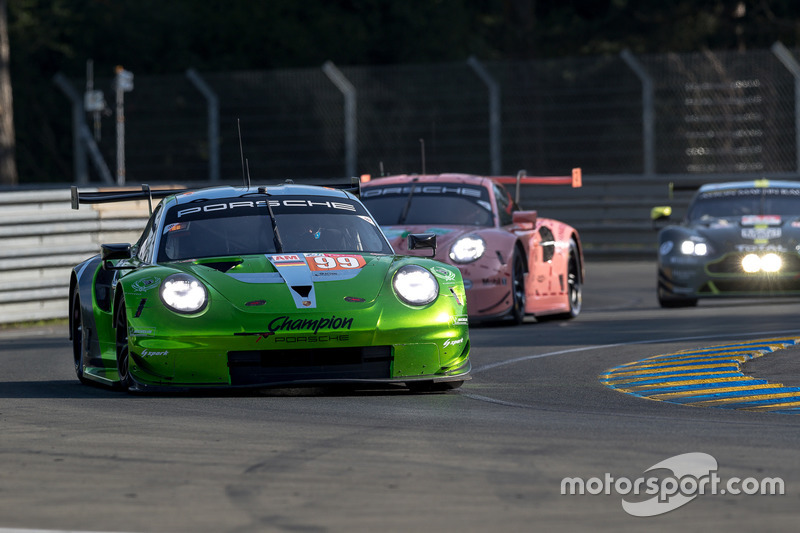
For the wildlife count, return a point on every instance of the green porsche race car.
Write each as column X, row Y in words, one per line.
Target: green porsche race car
column 265, row 286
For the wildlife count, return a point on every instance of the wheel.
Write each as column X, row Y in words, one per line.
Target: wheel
column 123, row 350
column 77, row 337
column 517, row 312
column 433, row 386
column 668, row 300
column 574, row 287
column 574, row 282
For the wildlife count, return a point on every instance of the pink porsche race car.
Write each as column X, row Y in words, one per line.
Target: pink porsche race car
column 513, row 262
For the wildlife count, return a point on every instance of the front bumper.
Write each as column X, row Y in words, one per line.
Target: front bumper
column 723, row 277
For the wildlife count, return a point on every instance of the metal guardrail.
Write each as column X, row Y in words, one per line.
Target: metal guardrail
column 42, row 238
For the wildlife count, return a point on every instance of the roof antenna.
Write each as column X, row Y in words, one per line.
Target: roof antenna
column 245, row 175
column 422, row 147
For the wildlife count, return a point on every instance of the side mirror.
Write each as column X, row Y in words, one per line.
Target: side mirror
column 524, row 219
column 417, row 241
column 660, row 216
column 110, row 252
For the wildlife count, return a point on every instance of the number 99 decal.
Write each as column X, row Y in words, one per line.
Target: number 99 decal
column 334, row 262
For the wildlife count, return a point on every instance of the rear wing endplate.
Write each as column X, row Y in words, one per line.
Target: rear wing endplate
column 354, row 187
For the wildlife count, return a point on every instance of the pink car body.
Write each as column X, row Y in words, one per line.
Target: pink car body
column 513, row 262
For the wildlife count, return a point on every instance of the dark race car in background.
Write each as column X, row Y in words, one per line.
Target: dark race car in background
column 738, row 239
column 513, row 262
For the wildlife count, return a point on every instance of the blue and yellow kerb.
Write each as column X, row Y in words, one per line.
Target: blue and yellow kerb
column 710, row 377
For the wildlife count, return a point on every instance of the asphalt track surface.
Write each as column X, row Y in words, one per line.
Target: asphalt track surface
column 489, row 457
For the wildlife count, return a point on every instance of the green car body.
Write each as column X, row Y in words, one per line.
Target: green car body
column 267, row 311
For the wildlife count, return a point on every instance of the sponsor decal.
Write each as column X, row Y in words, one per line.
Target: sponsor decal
column 288, row 260
column 223, row 206
column 760, row 248
column 443, row 273
column 145, row 284
column 768, row 220
column 328, row 262
column 144, row 332
column 151, row 353
column 452, row 189
column 453, row 342
column 285, row 323
column 289, row 339
column 459, row 320
column 761, row 234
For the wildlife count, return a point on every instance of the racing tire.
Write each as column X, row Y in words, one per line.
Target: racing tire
column 123, row 348
column 574, row 287
column 77, row 337
column 433, row 386
column 667, row 300
column 517, row 313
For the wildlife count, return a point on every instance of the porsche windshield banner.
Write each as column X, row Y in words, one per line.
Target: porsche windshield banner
column 228, row 207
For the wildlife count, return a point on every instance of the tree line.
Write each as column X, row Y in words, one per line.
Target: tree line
column 45, row 37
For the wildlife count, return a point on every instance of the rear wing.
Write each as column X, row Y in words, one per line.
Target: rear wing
column 105, row 197
column 354, row 187
column 576, row 180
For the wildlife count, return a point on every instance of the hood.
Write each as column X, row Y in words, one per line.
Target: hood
column 751, row 232
column 322, row 281
column 445, row 236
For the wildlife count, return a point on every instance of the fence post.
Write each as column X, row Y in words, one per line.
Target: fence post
column 495, row 120
column 213, row 122
column 349, row 91
column 648, row 112
column 788, row 60
column 78, row 150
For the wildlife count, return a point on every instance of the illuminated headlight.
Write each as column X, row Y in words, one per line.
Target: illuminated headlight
column 183, row 293
column 771, row 263
column 694, row 248
column 467, row 249
column 752, row 263
column 414, row 285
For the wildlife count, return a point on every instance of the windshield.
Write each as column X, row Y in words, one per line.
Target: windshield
column 429, row 204
column 741, row 202
column 234, row 226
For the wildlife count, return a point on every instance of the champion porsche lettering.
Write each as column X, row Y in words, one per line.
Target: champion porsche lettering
column 264, row 286
column 737, row 239
column 285, row 323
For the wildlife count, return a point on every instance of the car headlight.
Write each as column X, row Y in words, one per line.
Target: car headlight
column 183, row 293
column 414, row 285
column 752, row 263
column 694, row 248
column 467, row 249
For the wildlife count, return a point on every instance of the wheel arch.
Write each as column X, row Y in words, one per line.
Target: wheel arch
column 73, row 283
